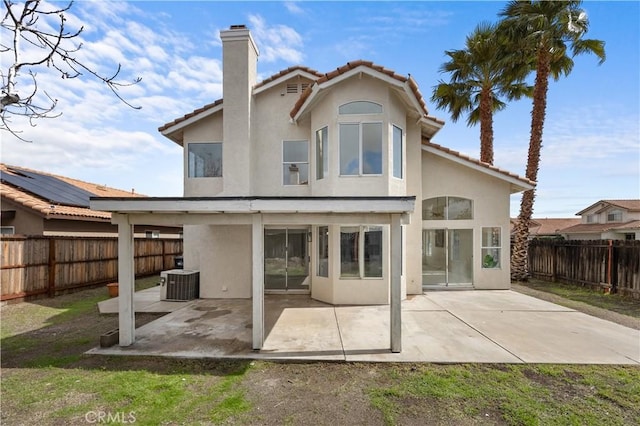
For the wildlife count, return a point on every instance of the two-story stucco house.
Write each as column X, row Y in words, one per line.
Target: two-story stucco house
column 328, row 185
column 607, row 220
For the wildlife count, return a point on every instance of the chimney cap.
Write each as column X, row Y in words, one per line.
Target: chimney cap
column 238, row 27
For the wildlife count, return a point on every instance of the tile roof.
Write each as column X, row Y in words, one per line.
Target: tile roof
column 360, row 63
column 476, row 161
column 189, row 115
column 550, row 226
column 321, row 79
column 631, row 205
column 44, row 207
column 288, row 71
column 588, row 228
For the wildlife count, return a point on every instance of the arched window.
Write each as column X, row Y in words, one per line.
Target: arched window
column 447, row 208
column 360, row 107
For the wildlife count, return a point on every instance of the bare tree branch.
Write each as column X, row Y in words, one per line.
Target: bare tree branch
column 20, row 25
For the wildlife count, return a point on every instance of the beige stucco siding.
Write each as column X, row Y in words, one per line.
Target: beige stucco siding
column 271, row 126
column 413, row 231
column 325, row 113
column 222, row 254
column 490, row 195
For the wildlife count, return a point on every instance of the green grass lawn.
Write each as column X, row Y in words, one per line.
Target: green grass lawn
column 613, row 302
column 47, row 380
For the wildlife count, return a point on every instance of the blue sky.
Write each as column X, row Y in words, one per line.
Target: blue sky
column 591, row 143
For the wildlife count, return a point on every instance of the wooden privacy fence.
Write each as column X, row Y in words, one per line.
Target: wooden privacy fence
column 37, row 265
column 613, row 264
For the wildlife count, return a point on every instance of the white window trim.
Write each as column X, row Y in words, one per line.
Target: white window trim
column 325, row 154
column 365, row 113
column 11, row 228
column 282, row 162
column 403, row 162
column 483, row 247
column 361, row 162
column 187, row 169
column 361, row 231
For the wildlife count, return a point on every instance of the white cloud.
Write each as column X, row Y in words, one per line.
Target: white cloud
column 293, row 7
column 276, row 42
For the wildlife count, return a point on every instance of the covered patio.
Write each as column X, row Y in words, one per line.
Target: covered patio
column 477, row 326
column 257, row 212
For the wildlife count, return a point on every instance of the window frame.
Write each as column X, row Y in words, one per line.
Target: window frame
column 360, row 102
column 191, row 174
column 289, row 163
column 446, row 208
column 322, row 251
column 393, row 151
column 489, row 248
column 361, row 257
column 322, row 153
column 616, row 214
column 361, row 151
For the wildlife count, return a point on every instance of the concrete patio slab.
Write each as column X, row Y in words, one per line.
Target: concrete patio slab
column 490, row 300
column 444, row 327
column 557, row 337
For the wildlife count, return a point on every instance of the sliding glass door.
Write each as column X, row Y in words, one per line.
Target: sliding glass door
column 447, row 257
column 286, row 262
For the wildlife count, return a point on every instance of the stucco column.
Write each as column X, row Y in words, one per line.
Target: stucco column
column 257, row 244
column 126, row 282
column 396, row 284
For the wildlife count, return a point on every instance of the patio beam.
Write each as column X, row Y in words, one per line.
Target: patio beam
column 126, row 280
column 396, row 286
column 257, row 244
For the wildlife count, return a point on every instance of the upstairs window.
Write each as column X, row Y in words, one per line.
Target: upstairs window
column 205, row 160
column 360, row 107
column 295, row 163
column 322, row 153
column 592, row 218
column 447, row 208
column 360, row 149
column 397, row 152
column 614, row 216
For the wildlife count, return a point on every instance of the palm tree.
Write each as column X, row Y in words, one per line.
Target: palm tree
column 480, row 74
column 550, row 29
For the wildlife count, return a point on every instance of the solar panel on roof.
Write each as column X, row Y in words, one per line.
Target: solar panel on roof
column 50, row 188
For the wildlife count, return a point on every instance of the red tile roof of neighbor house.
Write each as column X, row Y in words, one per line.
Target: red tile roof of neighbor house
column 631, row 205
column 476, row 161
column 587, row 228
column 45, row 207
column 548, row 226
column 321, row 78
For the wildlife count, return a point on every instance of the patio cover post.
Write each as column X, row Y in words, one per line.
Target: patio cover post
column 396, row 290
column 126, row 278
column 258, row 280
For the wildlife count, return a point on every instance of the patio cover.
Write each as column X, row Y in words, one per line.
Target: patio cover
column 257, row 212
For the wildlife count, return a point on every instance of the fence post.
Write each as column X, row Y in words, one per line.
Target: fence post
column 51, row 289
column 554, row 260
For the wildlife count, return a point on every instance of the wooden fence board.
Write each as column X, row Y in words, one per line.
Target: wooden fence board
column 594, row 263
column 40, row 264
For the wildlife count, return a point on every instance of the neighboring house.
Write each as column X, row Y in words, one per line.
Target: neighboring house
column 607, row 220
column 547, row 227
column 328, row 185
column 38, row 203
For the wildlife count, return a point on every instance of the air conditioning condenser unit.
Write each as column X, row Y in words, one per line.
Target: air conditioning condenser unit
column 179, row 285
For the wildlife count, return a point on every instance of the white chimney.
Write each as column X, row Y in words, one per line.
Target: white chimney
column 239, row 71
